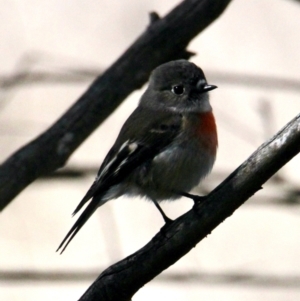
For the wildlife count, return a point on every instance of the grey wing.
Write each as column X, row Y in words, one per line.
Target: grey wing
column 127, row 154
column 157, row 130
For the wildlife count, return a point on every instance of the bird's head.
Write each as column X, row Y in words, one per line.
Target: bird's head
column 179, row 86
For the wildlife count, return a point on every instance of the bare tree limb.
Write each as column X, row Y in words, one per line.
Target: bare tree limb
column 123, row 279
column 165, row 39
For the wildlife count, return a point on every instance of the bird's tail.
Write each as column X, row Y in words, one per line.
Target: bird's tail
column 85, row 215
column 91, row 192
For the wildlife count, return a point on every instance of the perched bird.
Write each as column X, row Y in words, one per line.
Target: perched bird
column 166, row 146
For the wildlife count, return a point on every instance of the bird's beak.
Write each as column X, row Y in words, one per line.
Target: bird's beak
column 207, row 88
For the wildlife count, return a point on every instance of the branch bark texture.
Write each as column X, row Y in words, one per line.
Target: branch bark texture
column 122, row 280
column 165, row 39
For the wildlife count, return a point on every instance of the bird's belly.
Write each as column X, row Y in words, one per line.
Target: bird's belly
column 176, row 169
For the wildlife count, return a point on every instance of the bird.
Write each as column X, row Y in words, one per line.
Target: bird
column 165, row 147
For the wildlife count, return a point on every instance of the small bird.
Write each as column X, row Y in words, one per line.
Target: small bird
column 166, row 146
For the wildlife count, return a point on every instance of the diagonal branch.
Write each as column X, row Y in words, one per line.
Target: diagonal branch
column 165, row 39
column 122, row 280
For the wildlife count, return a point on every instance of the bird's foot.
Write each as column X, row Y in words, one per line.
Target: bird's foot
column 199, row 198
column 167, row 220
column 196, row 198
column 168, row 223
column 164, row 216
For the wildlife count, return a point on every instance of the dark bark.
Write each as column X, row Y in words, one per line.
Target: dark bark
column 165, row 39
column 123, row 279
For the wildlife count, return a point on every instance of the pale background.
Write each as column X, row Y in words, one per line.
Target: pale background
column 254, row 255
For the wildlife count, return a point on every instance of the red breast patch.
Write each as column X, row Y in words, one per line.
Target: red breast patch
column 206, row 130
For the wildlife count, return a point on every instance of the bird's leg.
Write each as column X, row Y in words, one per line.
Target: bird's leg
column 195, row 198
column 166, row 219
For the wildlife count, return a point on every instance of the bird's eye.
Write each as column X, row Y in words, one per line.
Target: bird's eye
column 178, row 89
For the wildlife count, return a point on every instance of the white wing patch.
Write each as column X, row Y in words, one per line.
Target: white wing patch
column 106, row 168
column 126, row 146
column 131, row 148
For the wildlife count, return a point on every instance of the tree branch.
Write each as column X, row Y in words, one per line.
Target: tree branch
column 122, row 280
column 165, row 39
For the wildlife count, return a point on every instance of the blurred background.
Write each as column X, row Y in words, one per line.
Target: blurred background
column 50, row 52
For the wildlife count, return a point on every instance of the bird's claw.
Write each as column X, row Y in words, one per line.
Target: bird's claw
column 196, row 198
